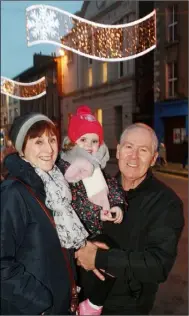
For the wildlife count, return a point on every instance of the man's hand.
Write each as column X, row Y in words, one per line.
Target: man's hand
column 118, row 214
column 86, row 257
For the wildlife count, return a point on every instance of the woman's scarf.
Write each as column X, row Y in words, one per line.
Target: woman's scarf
column 70, row 230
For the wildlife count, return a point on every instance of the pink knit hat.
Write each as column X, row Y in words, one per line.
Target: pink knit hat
column 84, row 122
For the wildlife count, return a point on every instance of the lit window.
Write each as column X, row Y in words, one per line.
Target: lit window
column 172, row 79
column 70, row 56
column 172, row 24
column 98, row 115
column 104, row 72
column 90, row 77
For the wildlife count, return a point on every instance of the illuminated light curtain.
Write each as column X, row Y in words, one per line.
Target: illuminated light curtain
column 23, row 91
column 47, row 24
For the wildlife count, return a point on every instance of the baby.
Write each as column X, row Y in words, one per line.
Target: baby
column 96, row 197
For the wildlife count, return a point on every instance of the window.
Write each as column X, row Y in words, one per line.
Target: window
column 118, row 112
column 172, row 79
column 120, row 69
column 90, row 77
column 90, row 62
column 10, row 117
column 16, row 112
column 70, row 56
column 54, row 74
column 172, row 23
column 69, row 117
column 104, row 72
column 179, row 135
column 98, row 115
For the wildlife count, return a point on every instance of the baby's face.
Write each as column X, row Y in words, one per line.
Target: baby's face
column 89, row 142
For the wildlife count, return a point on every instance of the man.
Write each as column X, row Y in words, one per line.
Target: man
column 147, row 237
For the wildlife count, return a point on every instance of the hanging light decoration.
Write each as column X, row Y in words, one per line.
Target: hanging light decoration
column 47, row 24
column 23, row 91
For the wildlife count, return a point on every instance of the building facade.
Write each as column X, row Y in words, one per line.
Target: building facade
column 10, row 109
column 171, row 76
column 49, row 104
column 108, row 88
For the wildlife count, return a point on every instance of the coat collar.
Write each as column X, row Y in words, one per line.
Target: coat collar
column 21, row 169
column 140, row 188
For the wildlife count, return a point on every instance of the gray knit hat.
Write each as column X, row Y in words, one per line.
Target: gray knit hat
column 21, row 126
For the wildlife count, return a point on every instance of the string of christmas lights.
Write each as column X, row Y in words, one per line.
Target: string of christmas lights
column 23, row 91
column 47, row 24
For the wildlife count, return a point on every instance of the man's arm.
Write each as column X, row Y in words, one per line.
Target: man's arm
column 151, row 265
column 154, row 263
column 20, row 288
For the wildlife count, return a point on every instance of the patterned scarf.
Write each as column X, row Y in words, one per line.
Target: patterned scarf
column 70, row 230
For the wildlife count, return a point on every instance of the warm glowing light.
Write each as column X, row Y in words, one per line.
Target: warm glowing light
column 23, row 91
column 46, row 24
column 104, row 72
column 99, row 115
column 90, row 77
column 61, row 52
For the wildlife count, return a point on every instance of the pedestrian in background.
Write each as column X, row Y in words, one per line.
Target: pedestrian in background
column 162, row 155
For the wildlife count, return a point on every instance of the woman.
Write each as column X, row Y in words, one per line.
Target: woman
column 36, row 270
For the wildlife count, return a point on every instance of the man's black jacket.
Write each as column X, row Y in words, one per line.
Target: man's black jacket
column 148, row 238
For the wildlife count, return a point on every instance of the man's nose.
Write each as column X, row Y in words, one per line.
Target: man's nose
column 134, row 153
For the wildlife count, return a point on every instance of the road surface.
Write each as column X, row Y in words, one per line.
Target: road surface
column 172, row 297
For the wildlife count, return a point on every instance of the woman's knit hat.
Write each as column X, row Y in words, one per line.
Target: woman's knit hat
column 84, row 122
column 21, row 126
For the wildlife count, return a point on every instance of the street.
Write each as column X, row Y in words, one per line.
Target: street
column 172, row 297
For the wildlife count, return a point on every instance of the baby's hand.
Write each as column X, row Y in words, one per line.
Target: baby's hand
column 106, row 216
column 118, row 217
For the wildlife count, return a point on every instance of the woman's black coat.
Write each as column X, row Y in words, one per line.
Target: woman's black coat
column 34, row 275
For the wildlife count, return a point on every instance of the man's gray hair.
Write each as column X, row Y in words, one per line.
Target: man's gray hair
column 144, row 126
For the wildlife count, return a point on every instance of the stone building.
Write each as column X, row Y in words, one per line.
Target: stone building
column 49, row 104
column 171, row 76
column 109, row 88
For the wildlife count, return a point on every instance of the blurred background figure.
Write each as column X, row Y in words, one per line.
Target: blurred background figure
column 185, row 152
column 7, row 149
column 162, row 155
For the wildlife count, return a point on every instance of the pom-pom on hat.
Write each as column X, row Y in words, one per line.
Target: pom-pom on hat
column 84, row 122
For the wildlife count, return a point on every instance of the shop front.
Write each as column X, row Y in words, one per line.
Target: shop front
column 171, row 126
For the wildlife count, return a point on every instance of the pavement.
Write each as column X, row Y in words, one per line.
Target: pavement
column 171, row 168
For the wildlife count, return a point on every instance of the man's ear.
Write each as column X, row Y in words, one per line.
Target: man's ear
column 117, row 152
column 154, row 159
